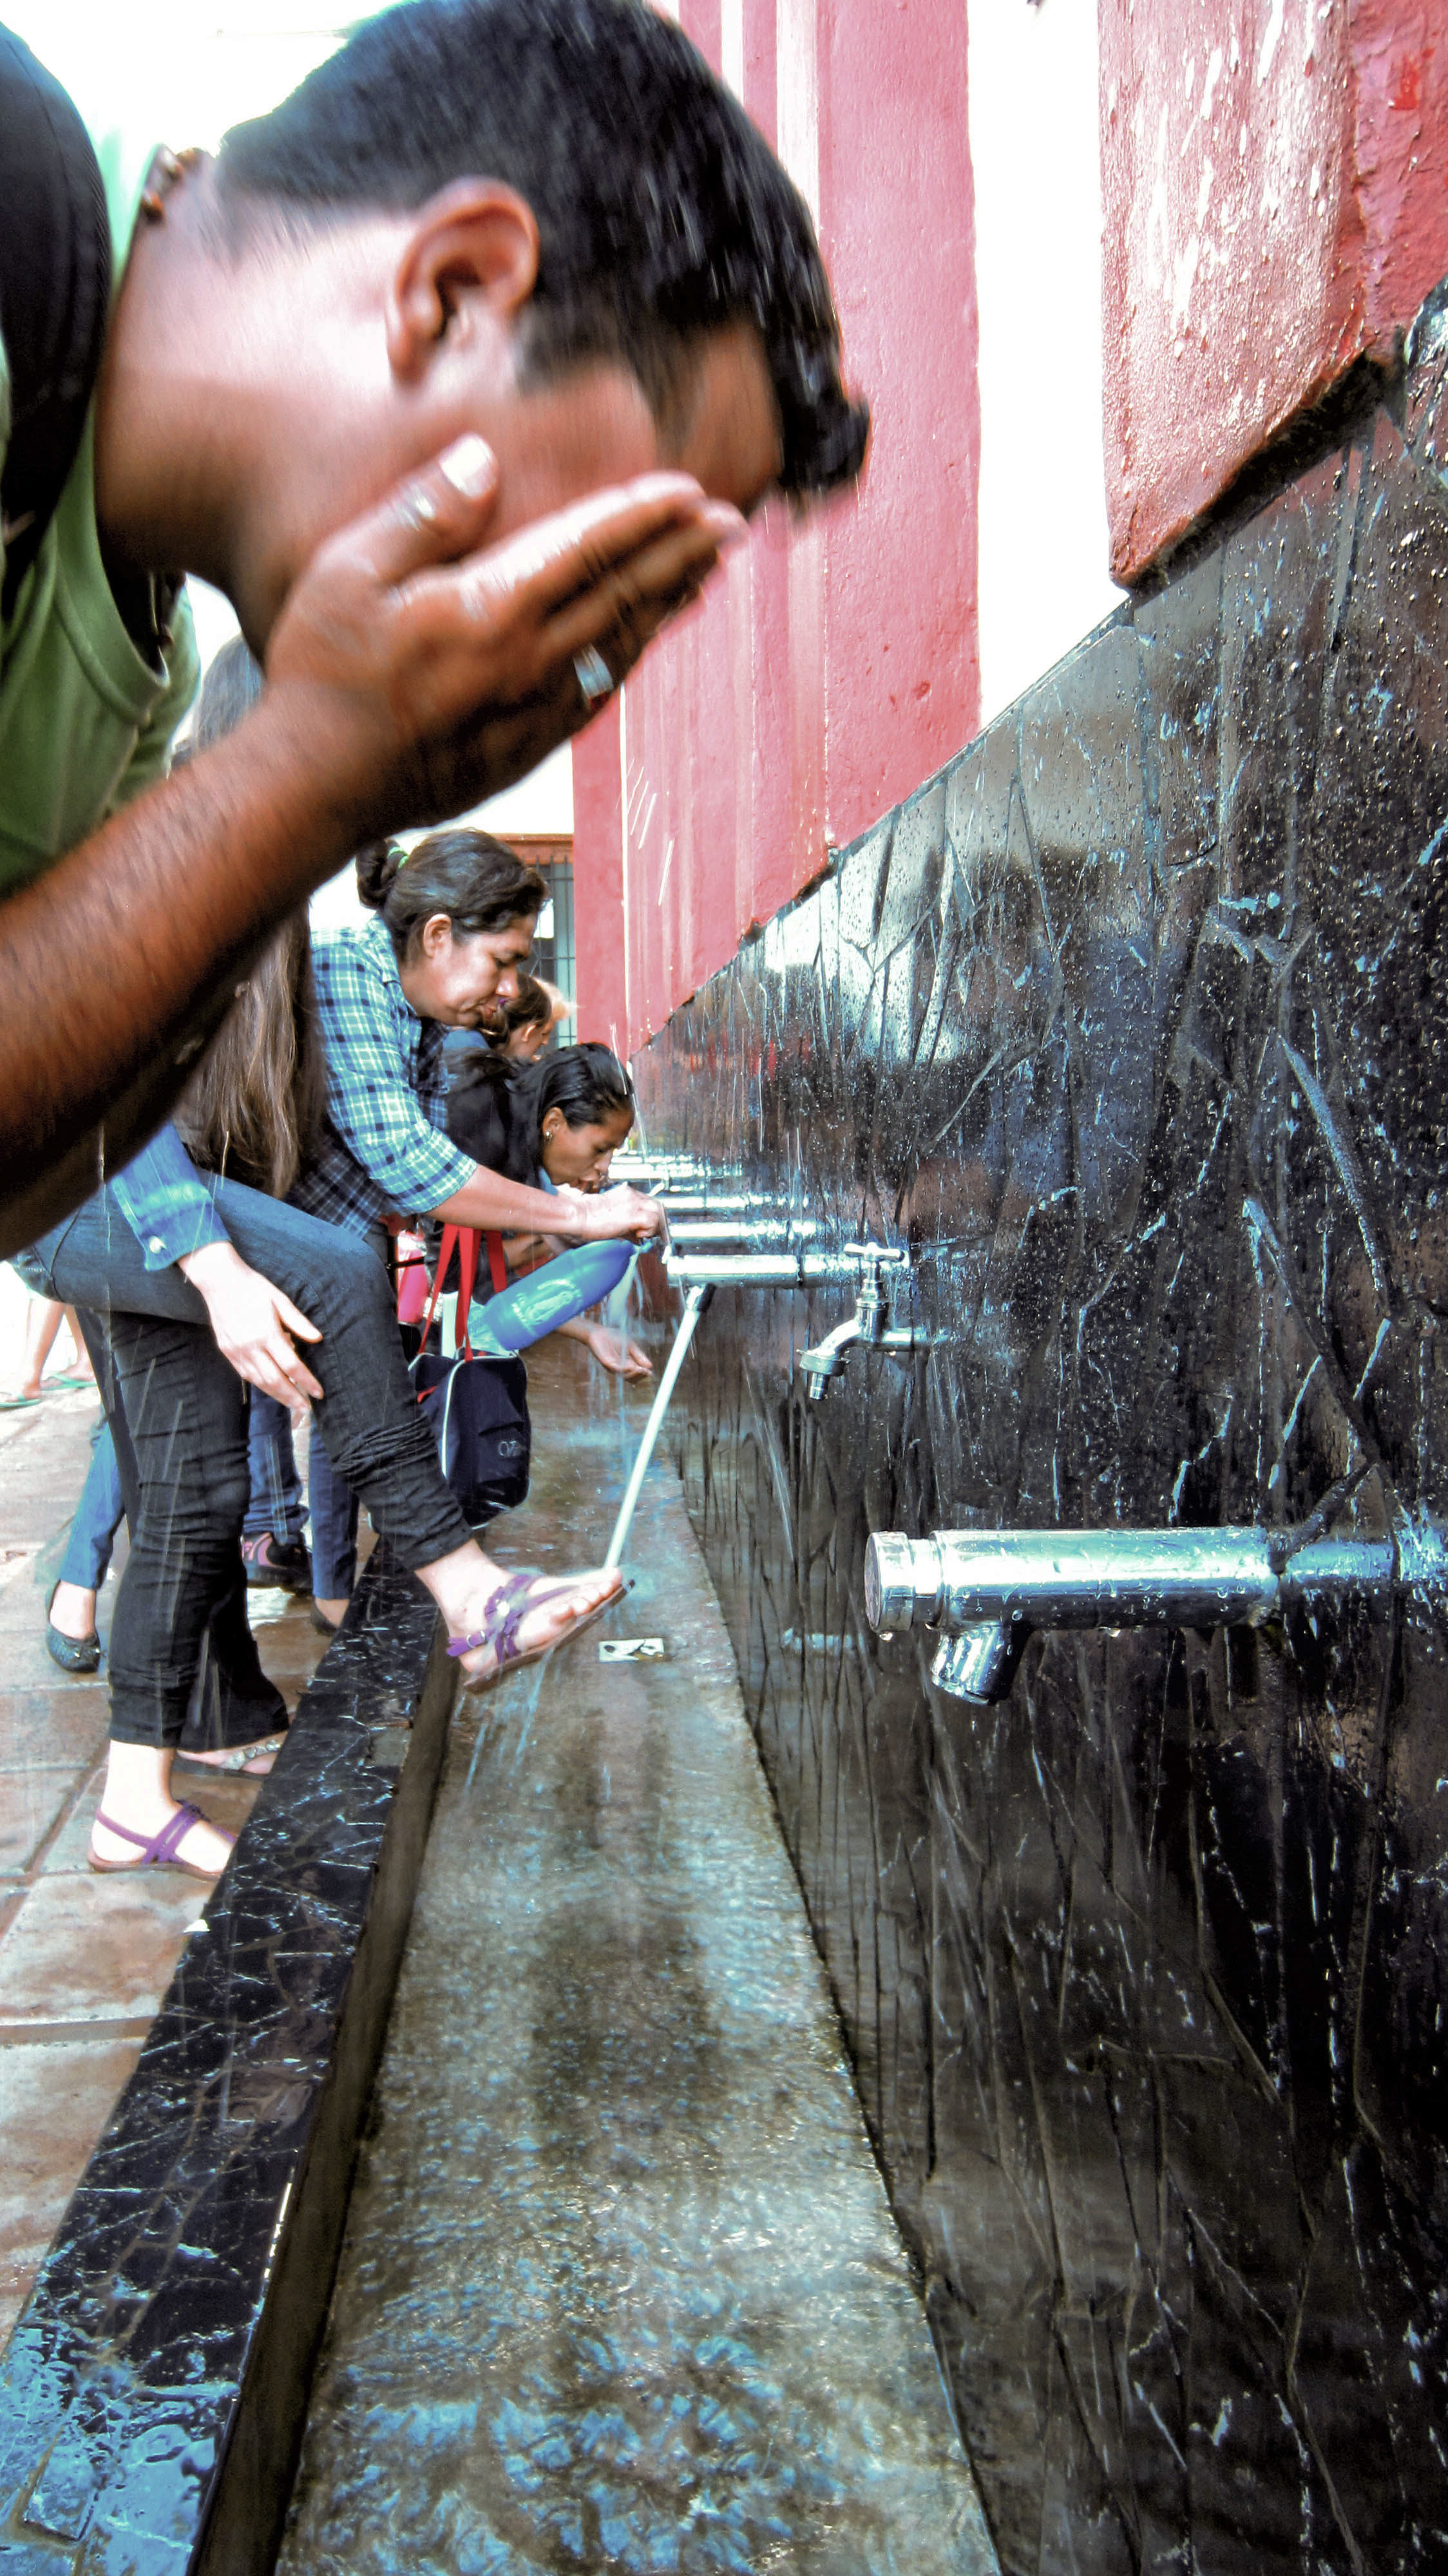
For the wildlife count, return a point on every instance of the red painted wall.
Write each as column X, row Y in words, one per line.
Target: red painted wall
column 835, row 663
column 1273, row 178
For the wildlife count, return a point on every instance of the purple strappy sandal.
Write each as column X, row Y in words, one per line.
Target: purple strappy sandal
column 509, row 1606
column 158, row 1851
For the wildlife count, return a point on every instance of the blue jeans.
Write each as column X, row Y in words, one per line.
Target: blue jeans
column 276, row 1505
column 98, row 1516
column 334, row 1528
column 185, row 1410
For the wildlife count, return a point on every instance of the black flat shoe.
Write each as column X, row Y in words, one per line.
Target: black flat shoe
column 73, row 1654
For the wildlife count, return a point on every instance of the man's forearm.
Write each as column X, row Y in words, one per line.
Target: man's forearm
column 117, row 965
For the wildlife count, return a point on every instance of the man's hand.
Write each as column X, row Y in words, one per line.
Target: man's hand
column 254, row 1324
column 429, row 669
column 414, row 670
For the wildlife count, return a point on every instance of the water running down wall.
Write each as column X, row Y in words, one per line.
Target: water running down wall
column 1134, row 1020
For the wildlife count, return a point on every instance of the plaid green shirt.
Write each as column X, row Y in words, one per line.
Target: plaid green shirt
column 384, row 1148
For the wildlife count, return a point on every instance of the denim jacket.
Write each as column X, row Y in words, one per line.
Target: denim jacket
column 168, row 1204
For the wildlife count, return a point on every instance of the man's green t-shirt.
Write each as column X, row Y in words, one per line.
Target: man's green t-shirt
column 86, row 720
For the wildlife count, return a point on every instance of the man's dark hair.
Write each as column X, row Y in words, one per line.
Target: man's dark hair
column 662, row 213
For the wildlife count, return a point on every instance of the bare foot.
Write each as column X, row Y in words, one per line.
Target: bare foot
column 73, row 1612
column 556, row 1608
column 334, row 1612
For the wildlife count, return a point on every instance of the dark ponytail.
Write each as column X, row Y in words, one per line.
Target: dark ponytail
column 478, row 882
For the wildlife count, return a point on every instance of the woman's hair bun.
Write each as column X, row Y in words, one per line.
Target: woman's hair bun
column 377, row 868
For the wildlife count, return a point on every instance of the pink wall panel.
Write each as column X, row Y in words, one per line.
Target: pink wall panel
column 1400, row 50
column 1274, row 201
column 835, row 663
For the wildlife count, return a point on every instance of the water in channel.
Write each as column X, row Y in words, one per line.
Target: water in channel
column 620, row 2289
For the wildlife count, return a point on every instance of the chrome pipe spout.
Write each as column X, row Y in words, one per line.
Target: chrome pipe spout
column 755, row 1232
column 984, row 1591
column 784, row 1269
column 694, row 1202
column 825, row 1360
column 674, row 1171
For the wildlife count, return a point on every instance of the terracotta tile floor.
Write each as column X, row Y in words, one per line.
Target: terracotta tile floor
column 83, row 1961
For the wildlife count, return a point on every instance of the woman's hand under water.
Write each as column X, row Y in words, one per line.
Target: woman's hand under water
column 254, row 1324
column 613, row 1352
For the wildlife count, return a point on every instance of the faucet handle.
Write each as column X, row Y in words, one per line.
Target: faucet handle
column 875, row 1253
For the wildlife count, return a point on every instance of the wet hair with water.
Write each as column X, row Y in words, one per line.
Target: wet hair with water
column 662, row 213
column 478, row 882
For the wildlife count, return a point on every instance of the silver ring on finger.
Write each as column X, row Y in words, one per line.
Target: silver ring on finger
column 593, row 675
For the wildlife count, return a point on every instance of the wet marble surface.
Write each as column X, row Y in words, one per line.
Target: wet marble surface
column 621, row 2287
column 144, row 2392
column 1133, row 1023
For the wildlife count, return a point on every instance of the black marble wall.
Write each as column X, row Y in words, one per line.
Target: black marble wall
column 1134, row 1022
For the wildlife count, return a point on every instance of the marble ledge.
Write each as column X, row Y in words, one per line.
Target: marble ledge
column 153, row 2392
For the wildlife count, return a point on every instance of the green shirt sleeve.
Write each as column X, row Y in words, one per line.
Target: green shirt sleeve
column 152, row 756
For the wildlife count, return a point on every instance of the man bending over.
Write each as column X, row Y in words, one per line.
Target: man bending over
column 455, row 373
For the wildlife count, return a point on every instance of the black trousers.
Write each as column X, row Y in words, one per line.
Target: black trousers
column 232, row 1702
column 185, row 1409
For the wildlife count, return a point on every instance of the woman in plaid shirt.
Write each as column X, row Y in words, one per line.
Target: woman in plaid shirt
column 451, row 933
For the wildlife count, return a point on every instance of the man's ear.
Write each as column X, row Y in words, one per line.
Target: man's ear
column 476, row 241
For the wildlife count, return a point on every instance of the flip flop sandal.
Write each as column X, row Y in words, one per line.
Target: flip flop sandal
column 73, row 1654
column 16, row 1403
column 237, row 1757
column 68, row 1382
column 158, row 1851
column 507, row 1610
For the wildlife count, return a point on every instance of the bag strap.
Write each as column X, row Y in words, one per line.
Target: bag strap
column 467, row 1239
column 467, row 1282
column 449, row 1238
column 55, row 296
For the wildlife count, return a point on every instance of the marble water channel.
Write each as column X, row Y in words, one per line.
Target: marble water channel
column 621, row 2287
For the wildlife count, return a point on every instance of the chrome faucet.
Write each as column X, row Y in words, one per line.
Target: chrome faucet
column 825, row 1360
column 982, row 1592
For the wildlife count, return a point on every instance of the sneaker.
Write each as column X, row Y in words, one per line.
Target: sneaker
column 281, row 1564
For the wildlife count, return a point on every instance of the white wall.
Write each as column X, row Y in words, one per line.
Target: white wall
column 1032, row 76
